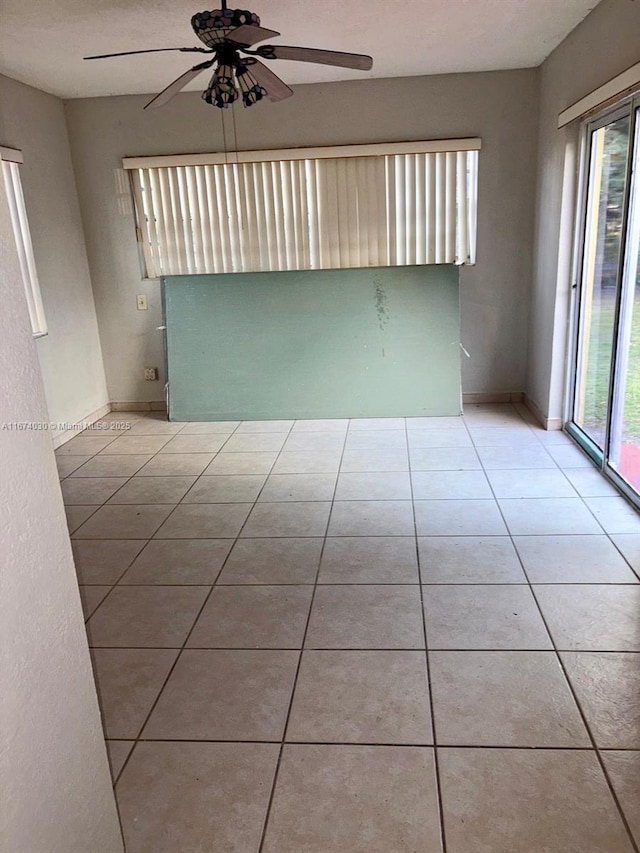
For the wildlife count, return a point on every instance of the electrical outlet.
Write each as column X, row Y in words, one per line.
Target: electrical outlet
column 141, row 302
column 151, row 374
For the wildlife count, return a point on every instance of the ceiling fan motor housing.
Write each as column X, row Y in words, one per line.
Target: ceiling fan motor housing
column 213, row 27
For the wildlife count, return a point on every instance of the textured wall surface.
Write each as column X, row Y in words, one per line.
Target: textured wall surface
column 501, row 107
column 54, row 777
column 70, row 355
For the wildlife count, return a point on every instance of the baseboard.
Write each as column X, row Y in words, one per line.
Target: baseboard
column 468, row 398
column 541, row 418
column 155, row 406
column 73, row 430
column 488, row 397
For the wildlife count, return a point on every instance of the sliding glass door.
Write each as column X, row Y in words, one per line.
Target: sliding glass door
column 605, row 414
column 624, row 444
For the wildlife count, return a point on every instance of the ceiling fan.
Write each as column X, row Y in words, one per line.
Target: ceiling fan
column 228, row 35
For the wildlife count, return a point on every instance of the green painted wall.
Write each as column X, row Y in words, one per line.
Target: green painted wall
column 377, row 342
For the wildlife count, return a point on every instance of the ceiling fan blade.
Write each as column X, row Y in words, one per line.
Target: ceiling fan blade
column 277, row 89
column 173, row 88
column 360, row 61
column 247, row 35
column 153, row 50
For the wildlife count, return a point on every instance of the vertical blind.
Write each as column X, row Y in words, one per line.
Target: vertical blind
column 306, row 212
column 11, row 160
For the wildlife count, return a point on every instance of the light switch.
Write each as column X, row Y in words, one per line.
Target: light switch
column 141, row 302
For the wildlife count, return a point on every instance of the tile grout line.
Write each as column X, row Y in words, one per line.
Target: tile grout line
column 147, row 542
column 346, row 583
column 436, row 758
column 186, row 640
column 585, row 722
column 120, row 576
column 636, row 573
column 215, row 454
column 117, row 583
column 361, row 649
column 175, row 507
column 594, row 747
column 267, row 816
column 152, row 456
column 197, row 479
column 126, row 483
column 592, row 467
column 104, row 503
column 563, row 471
column 519, row 748
column 99, row 453
column 115, row 776
column 335, row 535
column 605, row 532
column 96, row 507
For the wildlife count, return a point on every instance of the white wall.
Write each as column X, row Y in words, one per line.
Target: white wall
column 70, row 356
column 54, row 777
column 604, row 44
column 501, row 107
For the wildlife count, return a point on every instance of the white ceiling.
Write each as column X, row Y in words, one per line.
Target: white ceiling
column 42, row 43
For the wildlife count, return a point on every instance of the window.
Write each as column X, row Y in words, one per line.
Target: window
column 11, row 159
column 355, row 206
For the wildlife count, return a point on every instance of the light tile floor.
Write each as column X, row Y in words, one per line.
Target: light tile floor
column 365, row 636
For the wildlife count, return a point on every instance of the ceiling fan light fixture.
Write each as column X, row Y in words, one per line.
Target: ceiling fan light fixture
column 230, row 36
column 222, row 89
column 252, row 91
column 213, row 27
